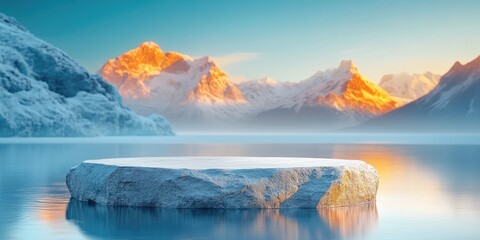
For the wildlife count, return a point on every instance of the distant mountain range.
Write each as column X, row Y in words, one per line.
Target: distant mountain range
column 327, row 100
column 193, row 91
column 43, row 92
column 453, row 105
column 195, row 94
column 405, row 88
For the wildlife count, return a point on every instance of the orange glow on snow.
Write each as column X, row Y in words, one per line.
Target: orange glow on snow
column 363, row 95
column 128, row 71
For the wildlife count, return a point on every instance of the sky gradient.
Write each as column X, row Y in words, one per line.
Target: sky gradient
column 286, row 40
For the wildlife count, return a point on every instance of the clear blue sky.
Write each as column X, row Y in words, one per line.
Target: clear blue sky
column 287, row 40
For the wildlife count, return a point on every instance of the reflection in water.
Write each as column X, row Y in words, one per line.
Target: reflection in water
column 401, row 177
column 389, row 162
column 128, row 222
column 44, row 215
column 351, row 221
column 52, row 204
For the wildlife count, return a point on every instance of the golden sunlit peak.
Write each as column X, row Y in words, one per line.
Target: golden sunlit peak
column 129, row 70
column 132, row 71
column 147, row 48
column 355, row 92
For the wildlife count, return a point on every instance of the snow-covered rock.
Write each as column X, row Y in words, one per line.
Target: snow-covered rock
column 224, row 182
column 406, row 87
column 43, row 92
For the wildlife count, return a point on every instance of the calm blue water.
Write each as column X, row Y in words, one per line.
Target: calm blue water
column 426, row 192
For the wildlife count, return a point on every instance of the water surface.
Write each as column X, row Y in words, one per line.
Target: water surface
column 426, row 191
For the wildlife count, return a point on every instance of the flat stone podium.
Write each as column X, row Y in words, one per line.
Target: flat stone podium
column 224, row 182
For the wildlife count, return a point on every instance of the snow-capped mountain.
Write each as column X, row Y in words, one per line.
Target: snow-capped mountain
column 194, row 90
column 406, row 87
column 43, row 92
column 457, row 94
column 343, row 89
column 174, row 84
column 330, row 99
column 454, row 104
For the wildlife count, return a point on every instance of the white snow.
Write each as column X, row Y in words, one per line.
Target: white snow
column 224, row 162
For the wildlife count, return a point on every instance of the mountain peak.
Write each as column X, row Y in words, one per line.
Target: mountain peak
column 470, row 66
column 456, row 66
column 268, row 81
column 127, row 70
column 148, row 44
column 347, row 66
column 205, row 59
column 147, row 48
column 205, row 63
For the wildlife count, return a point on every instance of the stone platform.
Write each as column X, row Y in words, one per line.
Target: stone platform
column 224, row 182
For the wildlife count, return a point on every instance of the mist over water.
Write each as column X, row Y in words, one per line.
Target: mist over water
column 419, row 183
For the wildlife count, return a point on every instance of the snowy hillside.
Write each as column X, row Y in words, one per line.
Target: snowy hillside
column 43, row 92
column 409, row 87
